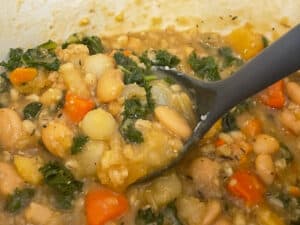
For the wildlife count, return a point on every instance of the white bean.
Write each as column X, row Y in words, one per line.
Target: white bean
column 9, row 179
column 293, row 91
column 51, row 96
column 265, row 144
column 110, row 86
column 212, row 213
column 98, row 124
column 173, row 121
column 265, row 168
column 289, row 120
column 98, row 64
column 57, row 138
column 11, row 128
column 38, row 214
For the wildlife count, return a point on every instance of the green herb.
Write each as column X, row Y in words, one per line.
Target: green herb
column 49, row 45
column 41, row 56
column 79, row 142
column 4, row 83
column 228, row 58
column 130, row 133
column 148, row 217
column 62, row 183
column 286, row 153
column 32, row 110
column 160, row 58
column 18, row 200
column 205, row 68
column 14, row 59
column 265, row 41
column 133, row 109
column 93, row 43
column 165, row 216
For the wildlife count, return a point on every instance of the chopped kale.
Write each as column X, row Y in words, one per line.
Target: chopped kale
column 32, row 110
column 265, row 41
column 49, row 45
column 160, row 58
column 19, row 200
column 62, row 183
column 14, row 59
column 165, row 216
column 133, row 109
column 286, row 153
column 205, row 68
column 228, row 58
column 79, row 142
column 130, row 133
column 93, row 43
column 148, row 217
column 41, row 56
column 4, row 83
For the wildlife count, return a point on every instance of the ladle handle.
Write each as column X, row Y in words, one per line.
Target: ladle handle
column 275, row 62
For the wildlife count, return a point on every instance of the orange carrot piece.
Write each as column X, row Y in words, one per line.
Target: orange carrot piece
column 252, row 127
column 127, row 52
column 294, row 191
column 219, row 142
column 245, row 185
column 22, row 75
column 103, row 205
column 273, row 95
column 76, row 107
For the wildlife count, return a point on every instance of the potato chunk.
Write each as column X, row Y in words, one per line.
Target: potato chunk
column 9, row 179
column 38, row 214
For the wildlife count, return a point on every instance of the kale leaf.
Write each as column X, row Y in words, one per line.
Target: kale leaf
column 134, row 109
column 265, row 41
column 93, row 43
column 228, row 58
column 41, row 56
column 62, row 183
column 32, row 110
column 4, row 83
column 130, row 133
column 18, row 200
column 286, row 153
column 159, row 58
column 165, row 216
column 79, row 142
column 205, row 68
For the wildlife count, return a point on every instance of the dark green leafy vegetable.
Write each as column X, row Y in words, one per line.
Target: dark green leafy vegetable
column 4, row 83
column 62, row 183
column 228, row 58
column 148, row 217
column 19, row 199
column 133, row 109
column 165, row 216
column 49, row 45
column 205, row 68
column 265, row 41
column 41, row 56
column 14, row 59
column 93, row 43
column 159, row 58
column 130, row 133
column 286, row 153
column 32, row 110
column 79, row 142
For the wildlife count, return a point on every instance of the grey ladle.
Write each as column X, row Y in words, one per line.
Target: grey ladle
column 213, row 99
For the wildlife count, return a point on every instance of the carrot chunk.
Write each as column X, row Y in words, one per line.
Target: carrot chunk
column 273, row 96
column 22, row 75
column 76, row 107
column 103, row 205
column 245, row 185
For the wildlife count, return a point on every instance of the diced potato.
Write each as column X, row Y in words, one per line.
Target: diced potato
column 245, row 42
column 38, row 214
column 98, row 64
column 28, row 168
column 163, row 190
column 98, row 124
column 89, row 157
column 57, row 138
column 9, row 179
column 266, row 217
column 74, row 80
column 51, row 96
column 190, row 210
